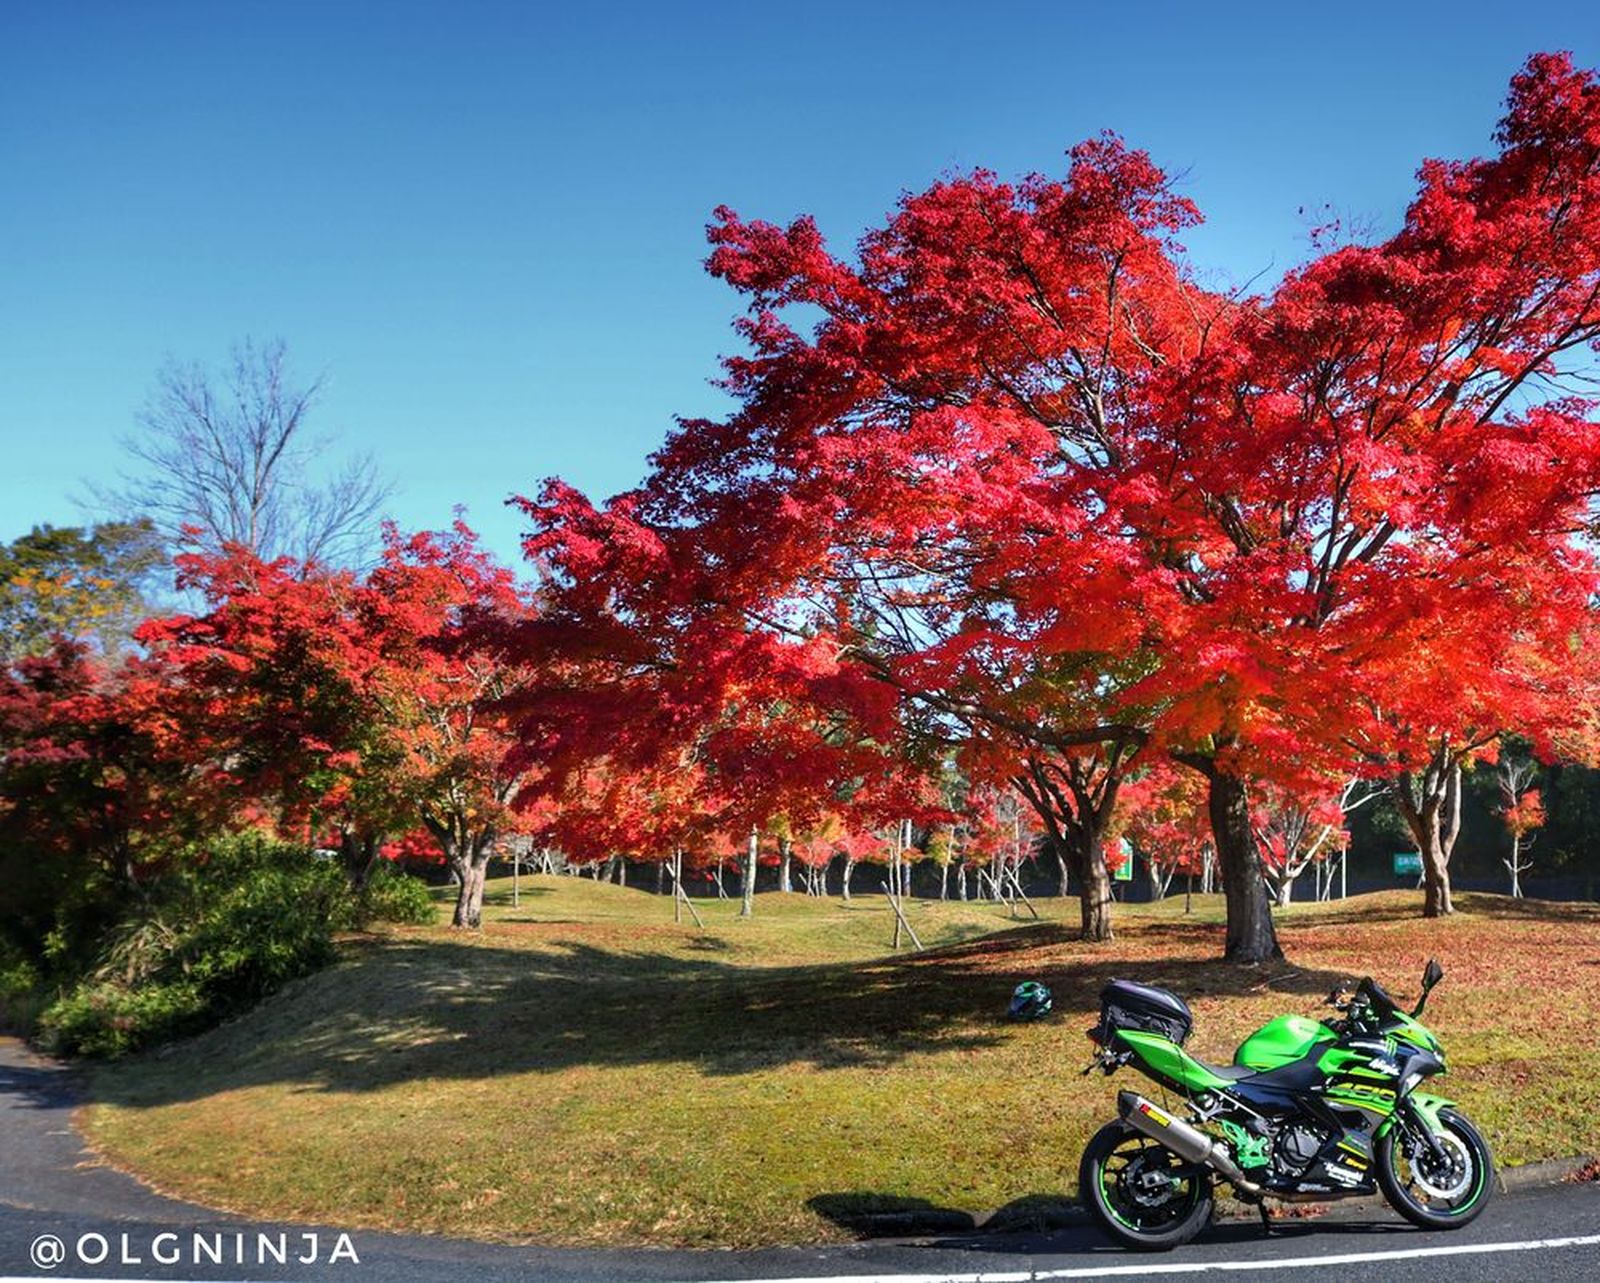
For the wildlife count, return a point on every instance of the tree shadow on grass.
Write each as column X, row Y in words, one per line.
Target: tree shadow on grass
column 412, row 1008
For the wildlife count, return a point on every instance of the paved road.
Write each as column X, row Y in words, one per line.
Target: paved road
column 50, row 1186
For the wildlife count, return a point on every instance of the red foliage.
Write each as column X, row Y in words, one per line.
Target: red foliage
column 368, row 703
column 94, row 761
column 1027, row 487
column 1163, row 812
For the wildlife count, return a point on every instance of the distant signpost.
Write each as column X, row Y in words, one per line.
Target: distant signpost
column 1407, row 863
column 1124, row 871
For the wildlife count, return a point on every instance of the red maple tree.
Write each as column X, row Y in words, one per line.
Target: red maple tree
column 1067, row 505
column 366, row 704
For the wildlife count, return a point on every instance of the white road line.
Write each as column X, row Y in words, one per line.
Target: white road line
column 1206, row 1267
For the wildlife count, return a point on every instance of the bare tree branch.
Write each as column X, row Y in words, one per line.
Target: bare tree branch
column 229, row 457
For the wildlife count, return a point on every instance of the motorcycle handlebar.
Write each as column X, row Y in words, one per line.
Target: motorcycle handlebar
column 1337, row 995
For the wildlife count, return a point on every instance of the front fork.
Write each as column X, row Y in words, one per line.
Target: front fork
column 1417, row 1114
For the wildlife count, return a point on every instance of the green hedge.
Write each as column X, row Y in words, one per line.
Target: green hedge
column 237, row 921
column 106, row 1020
column 393, row 896
column 21, row 991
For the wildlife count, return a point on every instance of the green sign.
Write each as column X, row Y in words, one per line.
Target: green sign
column 1407, row 862
column 1124, row 871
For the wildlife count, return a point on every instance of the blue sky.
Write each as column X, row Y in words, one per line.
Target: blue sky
column 484, row 222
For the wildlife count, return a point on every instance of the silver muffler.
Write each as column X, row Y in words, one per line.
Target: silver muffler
column 1183, row 1140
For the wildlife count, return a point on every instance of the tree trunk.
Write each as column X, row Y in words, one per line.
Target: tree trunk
column 1436, row 900
column 785, row 855
column 1251, row 936
column 1431, row 808
column 469, row 904
column 944, row 881
column 747, row 880
column 849, row 869
column 1075, row 800
column 359, row 855
column 470, row 873
column 1094, row 904
column 1088, row 862
column 1064, row 887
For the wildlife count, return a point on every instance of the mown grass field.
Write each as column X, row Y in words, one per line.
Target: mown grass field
column 586, row 1072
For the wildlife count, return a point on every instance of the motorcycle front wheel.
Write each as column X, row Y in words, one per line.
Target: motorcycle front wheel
column 1437, row 1191
column 1140, row 1192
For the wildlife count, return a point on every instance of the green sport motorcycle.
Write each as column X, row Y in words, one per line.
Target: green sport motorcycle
column 1308, row 1111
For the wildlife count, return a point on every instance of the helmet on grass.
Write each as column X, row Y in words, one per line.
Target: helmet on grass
column 1029, row 1001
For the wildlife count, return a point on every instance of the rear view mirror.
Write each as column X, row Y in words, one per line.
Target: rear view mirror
column 1431, row 975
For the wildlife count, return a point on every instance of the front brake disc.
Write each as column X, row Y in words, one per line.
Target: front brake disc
column 1449, row 1183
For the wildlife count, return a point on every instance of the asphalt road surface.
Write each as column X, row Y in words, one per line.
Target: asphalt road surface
column 62, row 1216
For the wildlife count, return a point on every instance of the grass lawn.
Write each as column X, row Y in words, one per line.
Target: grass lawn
column 586, row 1072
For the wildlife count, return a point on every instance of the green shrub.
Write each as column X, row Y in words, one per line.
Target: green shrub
column 21, row 990
column 249, row 938
column 230, row 923
column 108, row 1020
column 393, row 896
column 236, row 922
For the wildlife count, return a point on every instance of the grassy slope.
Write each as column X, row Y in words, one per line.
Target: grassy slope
column 586, row 1072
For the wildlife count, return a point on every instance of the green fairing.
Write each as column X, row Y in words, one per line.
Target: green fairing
column 1352, row 1082
column 1415, row 1033
column 1427, row 1106
column 1169, row 1060
column 1280, row 1041
column 1343, row 1060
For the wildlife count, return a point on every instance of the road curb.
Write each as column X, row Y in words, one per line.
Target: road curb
column 1066, row 1214
column 1549, row 1172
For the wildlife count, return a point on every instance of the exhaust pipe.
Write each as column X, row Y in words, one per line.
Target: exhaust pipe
column 1183, row 1140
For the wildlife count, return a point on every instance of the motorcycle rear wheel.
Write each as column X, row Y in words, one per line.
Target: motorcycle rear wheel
column 1140, row 1192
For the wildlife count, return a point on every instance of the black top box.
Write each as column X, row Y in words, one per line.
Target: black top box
column 1125, row 1005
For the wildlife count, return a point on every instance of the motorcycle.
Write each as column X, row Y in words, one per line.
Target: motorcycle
column 1309, row 1111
